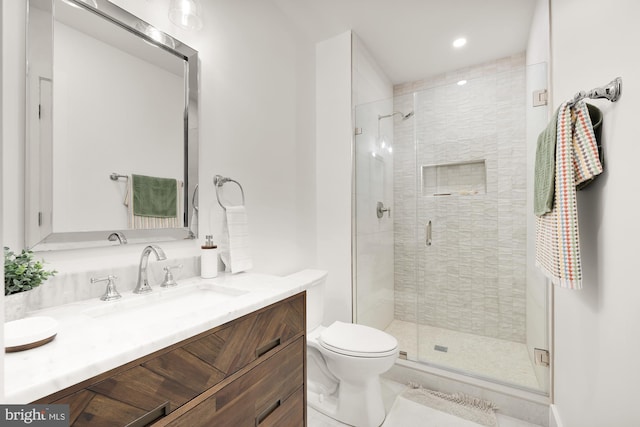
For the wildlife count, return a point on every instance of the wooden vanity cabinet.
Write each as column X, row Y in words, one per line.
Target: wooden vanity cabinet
column 247, row 372
column 256, row 398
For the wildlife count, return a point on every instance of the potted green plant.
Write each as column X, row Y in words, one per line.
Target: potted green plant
column 21, row 273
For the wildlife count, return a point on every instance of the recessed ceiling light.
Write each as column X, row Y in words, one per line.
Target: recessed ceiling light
column 462, row 82
column 459, row 42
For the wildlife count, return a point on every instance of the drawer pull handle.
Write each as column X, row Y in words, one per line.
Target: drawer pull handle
column 267, row 347
column 151, row 416
column 268, row 411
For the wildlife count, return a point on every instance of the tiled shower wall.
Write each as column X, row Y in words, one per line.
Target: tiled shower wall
column 472, row 277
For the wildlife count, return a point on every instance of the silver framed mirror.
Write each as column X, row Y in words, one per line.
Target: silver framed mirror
column 112, row 105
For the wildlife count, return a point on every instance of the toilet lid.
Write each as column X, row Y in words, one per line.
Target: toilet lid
column 357, row 340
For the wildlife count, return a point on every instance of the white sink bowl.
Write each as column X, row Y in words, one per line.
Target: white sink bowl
column 178, row 300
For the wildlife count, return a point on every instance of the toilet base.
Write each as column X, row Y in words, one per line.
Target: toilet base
column 327, row 405
column 356, row 408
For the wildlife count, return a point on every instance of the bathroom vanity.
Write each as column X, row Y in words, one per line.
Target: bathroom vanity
column 240, row 363
column 249, row 371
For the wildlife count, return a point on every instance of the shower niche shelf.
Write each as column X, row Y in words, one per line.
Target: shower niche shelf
column 454, row 179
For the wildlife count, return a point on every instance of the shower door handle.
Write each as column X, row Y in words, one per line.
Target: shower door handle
column 427, row 241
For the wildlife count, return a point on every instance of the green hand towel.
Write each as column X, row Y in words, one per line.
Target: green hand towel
column 154, row 197
column 545, row 169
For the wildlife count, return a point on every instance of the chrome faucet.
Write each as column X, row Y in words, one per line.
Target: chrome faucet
column 143, row 284
column 117, row 237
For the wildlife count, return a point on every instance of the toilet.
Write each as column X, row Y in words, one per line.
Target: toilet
column 344, row 363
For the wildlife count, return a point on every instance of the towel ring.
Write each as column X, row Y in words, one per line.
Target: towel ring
column 219, row 181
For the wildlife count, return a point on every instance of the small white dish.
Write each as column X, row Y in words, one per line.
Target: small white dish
column 30, row 332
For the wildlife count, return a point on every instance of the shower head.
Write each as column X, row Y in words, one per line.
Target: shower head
column 404, row 116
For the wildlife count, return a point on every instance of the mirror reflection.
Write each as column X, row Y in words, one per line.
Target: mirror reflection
column 109, row 150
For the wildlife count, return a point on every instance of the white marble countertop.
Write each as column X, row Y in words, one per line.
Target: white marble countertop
column 87, row 345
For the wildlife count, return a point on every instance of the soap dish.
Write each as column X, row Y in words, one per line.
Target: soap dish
column 28, row 333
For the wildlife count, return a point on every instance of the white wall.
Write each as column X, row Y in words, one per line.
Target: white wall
column 256, row 125
column 538, row 42
column 596, row 330
column 370, row 83
column 333, row 172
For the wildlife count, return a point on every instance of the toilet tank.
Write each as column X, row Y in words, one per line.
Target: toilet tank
column 314, row 283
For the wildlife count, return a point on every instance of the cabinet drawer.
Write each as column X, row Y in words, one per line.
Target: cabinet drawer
column 185, row 368
column 90, row 409
column 234, row 347
column 126, row 397
column 258, row 395
column 290, row 413
column 144, row 389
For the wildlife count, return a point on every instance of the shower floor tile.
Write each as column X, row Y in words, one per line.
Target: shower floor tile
column 489, row 357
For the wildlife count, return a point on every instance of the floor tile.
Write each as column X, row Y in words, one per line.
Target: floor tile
column 406, row 413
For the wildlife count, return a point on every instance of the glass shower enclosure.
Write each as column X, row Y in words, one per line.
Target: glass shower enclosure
column 444, row 228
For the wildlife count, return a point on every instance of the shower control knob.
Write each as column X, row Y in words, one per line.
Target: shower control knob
column 380, row 210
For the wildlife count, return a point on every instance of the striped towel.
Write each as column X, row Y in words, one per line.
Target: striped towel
column 577, row 161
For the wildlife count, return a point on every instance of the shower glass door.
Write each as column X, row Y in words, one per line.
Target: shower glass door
column 374, row 215
column 444, row 229
column 471, row 179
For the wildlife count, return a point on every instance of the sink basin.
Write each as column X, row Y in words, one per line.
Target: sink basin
column 182, row 299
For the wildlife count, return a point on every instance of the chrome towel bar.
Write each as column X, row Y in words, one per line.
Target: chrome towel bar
column 611, row 91
column 116, row 176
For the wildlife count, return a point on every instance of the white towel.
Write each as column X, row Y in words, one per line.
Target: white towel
column 235, row 251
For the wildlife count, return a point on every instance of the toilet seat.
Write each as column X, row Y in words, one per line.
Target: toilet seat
column 357, row 340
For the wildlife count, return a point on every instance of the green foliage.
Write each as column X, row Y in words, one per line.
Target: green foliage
column 22, row 273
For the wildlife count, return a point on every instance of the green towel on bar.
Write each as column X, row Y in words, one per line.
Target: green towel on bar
column 155, row 197
column 545, row 169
